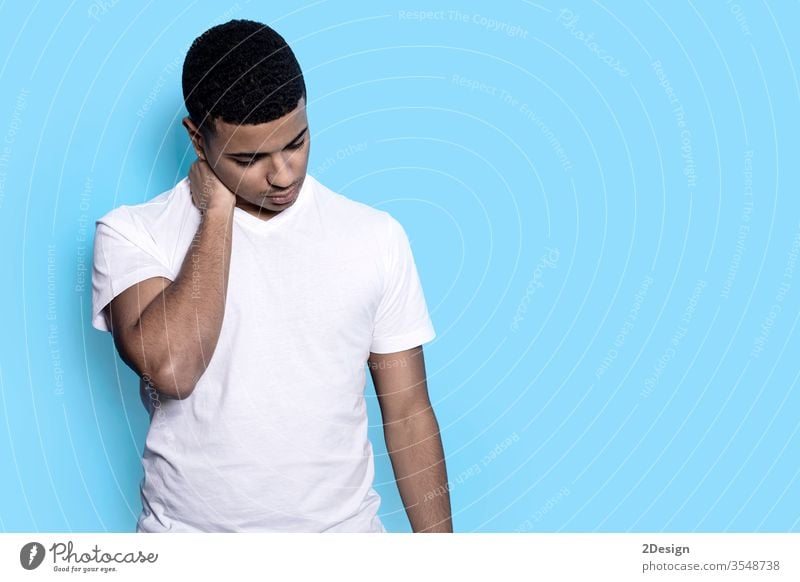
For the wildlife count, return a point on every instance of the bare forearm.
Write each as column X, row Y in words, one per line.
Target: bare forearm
column 415, row 448
column 179, row 330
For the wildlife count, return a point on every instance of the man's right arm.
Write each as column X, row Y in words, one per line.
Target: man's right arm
column 168, row 331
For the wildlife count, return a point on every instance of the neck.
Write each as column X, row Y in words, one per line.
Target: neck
column 257, row 211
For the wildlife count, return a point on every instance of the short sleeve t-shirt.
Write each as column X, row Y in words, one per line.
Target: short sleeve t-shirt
column 274, row 436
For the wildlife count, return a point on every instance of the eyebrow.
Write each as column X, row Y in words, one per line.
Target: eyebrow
column 262, row 154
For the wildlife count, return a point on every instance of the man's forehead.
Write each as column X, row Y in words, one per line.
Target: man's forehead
column 272, row 135
column 270, row 131
column 295, row 117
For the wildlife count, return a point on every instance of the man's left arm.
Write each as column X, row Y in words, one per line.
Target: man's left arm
column 412, row 438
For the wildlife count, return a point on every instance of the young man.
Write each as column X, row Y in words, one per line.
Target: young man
column 249, row 298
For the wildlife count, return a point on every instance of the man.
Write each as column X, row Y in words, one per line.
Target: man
column 248, row 299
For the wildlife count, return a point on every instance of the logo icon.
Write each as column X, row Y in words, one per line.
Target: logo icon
column 31, row 555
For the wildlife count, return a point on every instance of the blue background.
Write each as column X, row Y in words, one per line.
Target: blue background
column 602, row 199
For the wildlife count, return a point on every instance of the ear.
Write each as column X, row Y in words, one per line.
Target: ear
column 196, row 137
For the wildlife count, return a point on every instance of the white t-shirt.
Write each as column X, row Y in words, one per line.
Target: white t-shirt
column 274, row 436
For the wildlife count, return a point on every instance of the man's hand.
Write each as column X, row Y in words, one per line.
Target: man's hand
column 207, row 190
column 165, row 330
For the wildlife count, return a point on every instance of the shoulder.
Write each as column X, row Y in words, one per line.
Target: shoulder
column 356, row 217
column 161, row 212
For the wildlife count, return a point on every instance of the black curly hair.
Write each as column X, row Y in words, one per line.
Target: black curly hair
column 242, row 72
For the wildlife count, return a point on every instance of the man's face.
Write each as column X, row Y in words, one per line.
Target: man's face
column 259, row 163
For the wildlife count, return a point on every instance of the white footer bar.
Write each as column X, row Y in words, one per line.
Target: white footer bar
column 407, row 557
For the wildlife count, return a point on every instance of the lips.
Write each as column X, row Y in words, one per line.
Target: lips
column 284, row 198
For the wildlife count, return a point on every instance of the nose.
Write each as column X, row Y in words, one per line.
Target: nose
column 281, row 175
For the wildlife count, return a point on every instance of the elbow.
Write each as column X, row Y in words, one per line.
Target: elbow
column 172, row 382
column 170, row 375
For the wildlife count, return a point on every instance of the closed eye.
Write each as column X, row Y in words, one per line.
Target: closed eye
column 294, row 146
